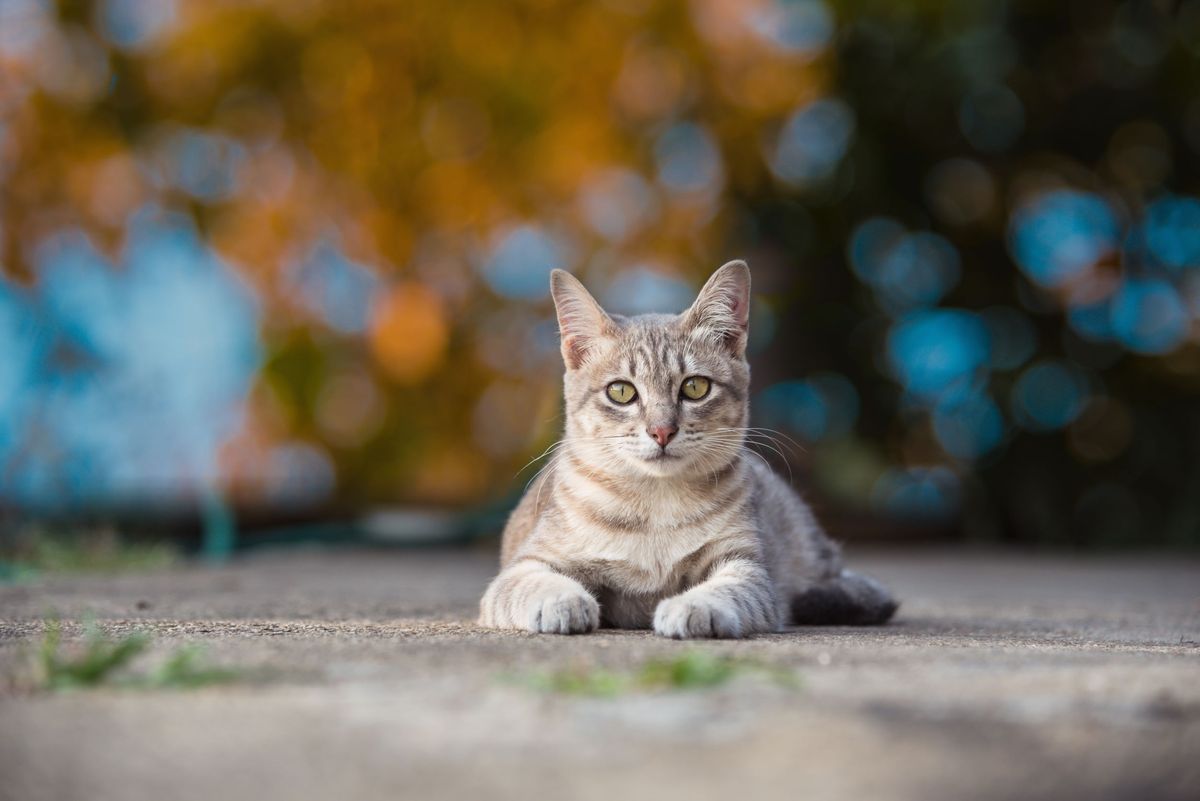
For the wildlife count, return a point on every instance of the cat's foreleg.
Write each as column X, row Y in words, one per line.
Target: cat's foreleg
column 531, row 595
column 736, row 600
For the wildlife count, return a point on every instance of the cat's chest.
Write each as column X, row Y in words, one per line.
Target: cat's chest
column 647, row 560
column 663, row 513
column 638, row 540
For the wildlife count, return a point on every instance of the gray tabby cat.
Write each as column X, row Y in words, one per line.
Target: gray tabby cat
column 652, row 513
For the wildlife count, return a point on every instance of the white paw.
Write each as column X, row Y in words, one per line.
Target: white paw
column 563, row 613
column 692, row 616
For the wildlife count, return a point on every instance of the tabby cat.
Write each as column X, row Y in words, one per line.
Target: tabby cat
column 652, row 512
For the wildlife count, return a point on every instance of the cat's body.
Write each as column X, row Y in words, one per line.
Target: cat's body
column 652, row 512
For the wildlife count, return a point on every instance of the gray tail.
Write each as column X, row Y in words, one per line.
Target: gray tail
column 848, row 599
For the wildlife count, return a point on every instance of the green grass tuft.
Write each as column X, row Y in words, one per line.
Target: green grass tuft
column 693, row 670
column 99, row 661
column 103, row 661
column 186, row 668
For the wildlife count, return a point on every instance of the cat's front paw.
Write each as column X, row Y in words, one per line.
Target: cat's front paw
column 572, row 612
column 686, row 617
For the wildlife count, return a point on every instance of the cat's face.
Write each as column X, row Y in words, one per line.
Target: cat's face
column 658, row 394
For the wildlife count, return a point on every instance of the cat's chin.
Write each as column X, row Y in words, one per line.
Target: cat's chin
column 662, row 464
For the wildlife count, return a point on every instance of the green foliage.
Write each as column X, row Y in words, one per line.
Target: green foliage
column 693, row 670
column 581, row 681
column 186, row 668
column 105, row 661
column 100, row 661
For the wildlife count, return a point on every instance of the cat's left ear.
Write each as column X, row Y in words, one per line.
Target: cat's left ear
column 721, row 312
column 581, row 321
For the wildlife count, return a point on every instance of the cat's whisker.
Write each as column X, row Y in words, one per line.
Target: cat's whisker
column 760, row 457
column 774, row 434
column 766, row 438
column 707, row 454
column 561, row 444
column 762, row 429
column 747, row 442
column 553, row 447
column 786, row 463
column 553, row 461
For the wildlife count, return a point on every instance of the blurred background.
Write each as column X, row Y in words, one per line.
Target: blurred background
column 278, row 268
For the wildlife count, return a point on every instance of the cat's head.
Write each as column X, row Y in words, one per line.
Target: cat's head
column 659, row 394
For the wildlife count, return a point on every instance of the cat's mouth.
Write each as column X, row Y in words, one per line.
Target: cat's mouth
column 660, row 456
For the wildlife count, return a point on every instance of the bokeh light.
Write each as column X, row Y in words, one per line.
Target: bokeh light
column 202, row 164
column 1148, row 316
column 127, row 387
column 823, row 406
column 134, row 24
column 616, row 203
column 409, row 332
column 646, row 289
column 521, row 260
column 968, row 424
column 1172, row 231
column 1057, row 236
column 906, row 270
column 930, row 350
column 1049, row 395
column 918, row 492
column 339, row 291
column 24, row 25
column 297, row 253
column 689, row 161
column 812, row 142
column 796, row 26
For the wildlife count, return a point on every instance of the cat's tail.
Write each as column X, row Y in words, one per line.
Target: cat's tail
column 847, row 599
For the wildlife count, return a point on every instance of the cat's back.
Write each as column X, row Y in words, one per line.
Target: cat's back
column 794, row 542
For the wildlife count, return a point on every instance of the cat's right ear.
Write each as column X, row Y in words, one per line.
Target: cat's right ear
column 581, row 321
column 721, row 314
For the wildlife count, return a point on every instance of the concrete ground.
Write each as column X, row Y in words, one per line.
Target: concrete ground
column 1004, row 676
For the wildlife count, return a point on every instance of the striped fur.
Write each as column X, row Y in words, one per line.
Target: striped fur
column 695, row 539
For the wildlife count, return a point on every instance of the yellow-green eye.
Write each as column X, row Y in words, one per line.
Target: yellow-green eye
column 621, row 391
column 695, row 387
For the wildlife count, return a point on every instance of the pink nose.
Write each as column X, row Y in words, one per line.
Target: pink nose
column 662, row 434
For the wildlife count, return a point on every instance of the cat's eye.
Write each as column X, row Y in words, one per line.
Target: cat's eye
column 695, row 388
column 621, row 392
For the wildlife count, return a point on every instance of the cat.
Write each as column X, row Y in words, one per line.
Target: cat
column 653, row 513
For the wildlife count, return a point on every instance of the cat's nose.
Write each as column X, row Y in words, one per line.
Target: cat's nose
column 662, row 434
